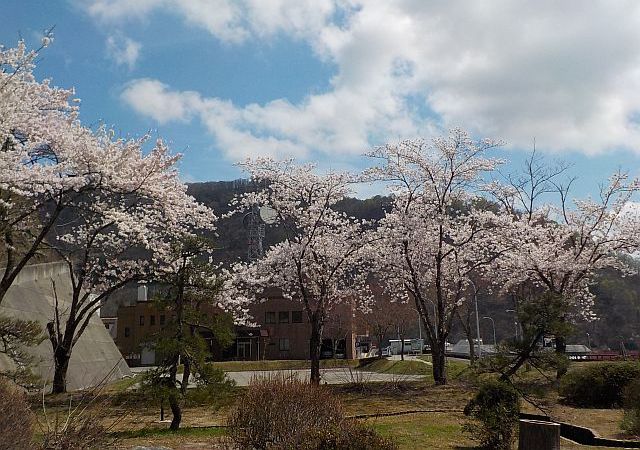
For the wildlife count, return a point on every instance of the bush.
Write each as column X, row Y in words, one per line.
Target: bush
column 496, row 410
column 280, row 413
column 75, row 433
column 79, row 427
column 350, row 435
column 16, row 419
column 599, row 385
column 631, row 421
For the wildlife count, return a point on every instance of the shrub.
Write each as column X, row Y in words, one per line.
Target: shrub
column 73, row 433
column 16, row 419
column 599, row 385
column 350, row 435
column 631, row 421
column 79, row 427
column 281, row 413
column 496, row 409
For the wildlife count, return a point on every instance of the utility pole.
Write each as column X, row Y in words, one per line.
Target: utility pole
column 475, row 299
column 493, row 324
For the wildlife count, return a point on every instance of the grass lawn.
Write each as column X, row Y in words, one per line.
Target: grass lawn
column 435, row 417
column 432, row 430
column 187, row 437
column 398, row 367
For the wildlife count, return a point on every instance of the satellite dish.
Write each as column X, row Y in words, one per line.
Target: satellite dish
column 268, row 215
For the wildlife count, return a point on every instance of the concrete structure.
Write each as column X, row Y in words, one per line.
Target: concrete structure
column 111, row 324
column 95, row 357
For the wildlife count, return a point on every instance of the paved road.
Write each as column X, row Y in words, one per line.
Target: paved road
column 328, row 376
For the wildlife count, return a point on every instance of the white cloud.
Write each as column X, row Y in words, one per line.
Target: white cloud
column 566, row 73
column 152, row 98
column 123, row 50
column 229, row 20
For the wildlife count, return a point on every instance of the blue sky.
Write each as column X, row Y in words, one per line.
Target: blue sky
column 325, row 80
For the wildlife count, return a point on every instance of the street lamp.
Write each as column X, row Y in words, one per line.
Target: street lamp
column 622, row 346
column 475, row 299
column 589, row 341
column 419, row 329
column 515, row 321
column 493, row 324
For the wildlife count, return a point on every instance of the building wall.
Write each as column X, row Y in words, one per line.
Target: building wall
column 283, row 331
column 289, row 339
column 136, row 324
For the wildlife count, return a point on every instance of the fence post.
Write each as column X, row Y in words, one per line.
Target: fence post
column 538, row 435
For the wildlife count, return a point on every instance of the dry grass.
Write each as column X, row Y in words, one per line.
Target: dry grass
column 429, row 430
column 421, row 430
column 605, row 422
column 412, row 396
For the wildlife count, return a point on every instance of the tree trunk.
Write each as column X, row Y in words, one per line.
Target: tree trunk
column 561, row 348
column 175, row 411
column 61, row 359
column 401, row 336
column 472, row 349
column 380, row 339
column 315, row 345
column 439, row 361
column 186, row 373
column 522, row 357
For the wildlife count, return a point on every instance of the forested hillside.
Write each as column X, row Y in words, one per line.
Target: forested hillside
column 618, row 297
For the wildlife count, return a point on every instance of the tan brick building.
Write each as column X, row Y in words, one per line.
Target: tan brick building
column 288, row 330
column 281, row 331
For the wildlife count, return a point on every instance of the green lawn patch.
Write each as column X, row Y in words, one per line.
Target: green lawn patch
column 398, row 367
column 195, row 432
column 436, row 430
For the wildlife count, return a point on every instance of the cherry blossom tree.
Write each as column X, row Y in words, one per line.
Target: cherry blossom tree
column 119, row 232
column 107, row 207
column 434, row 238
column 561, row 247
column 321, row 262
column 39, row 140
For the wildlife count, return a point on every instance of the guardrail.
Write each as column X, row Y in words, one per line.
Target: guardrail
column 583, row 435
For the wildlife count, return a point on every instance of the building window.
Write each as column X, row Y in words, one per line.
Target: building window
column 283, row 344
column 283, row 317
column 152, row 320
column 126, row 332
column 141, row 320
column 162, row 319
column 296, row 316
column 270, row 317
